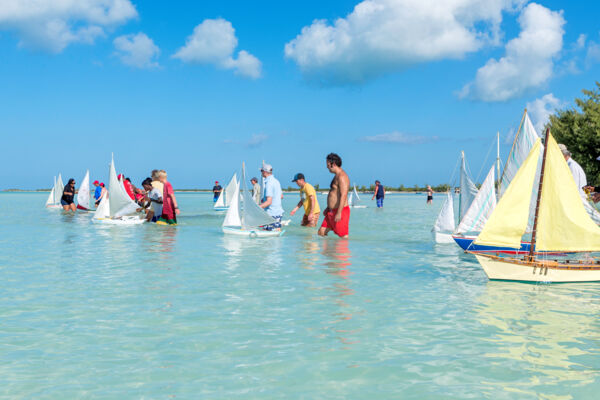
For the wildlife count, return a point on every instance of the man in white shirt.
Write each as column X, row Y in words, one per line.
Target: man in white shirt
column 155, row 197
column 576, row 170
column 271, row 197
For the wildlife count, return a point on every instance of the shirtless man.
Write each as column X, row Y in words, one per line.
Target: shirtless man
column 337, row 213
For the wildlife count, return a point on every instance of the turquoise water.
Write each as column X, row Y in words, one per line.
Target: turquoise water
column 154, row 312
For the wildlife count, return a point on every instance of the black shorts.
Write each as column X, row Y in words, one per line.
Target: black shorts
column 64, row 203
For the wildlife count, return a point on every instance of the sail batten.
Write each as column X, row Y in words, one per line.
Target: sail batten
column 510, row 218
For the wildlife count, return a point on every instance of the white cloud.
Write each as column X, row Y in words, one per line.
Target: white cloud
column 528, row 63
column 137, row 50
column 379, row 36
column 52, row 25
column 593, row 54
column 213, row 42
column 399, row 138
column 255, row 140
column 540, row 110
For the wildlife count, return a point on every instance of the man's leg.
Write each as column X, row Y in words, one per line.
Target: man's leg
column 323, row 231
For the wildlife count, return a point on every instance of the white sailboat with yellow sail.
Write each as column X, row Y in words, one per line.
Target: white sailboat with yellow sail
column 560, row 224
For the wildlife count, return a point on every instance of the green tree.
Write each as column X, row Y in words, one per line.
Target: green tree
column 579, row 130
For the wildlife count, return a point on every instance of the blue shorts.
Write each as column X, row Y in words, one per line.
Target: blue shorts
column 380, row 202
column 215, row 199
column 64, row 203
column 275, row 225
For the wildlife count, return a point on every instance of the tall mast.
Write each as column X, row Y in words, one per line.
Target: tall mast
column 460, row 195
column 498, row 161
column 539, row 196
column 513, row 147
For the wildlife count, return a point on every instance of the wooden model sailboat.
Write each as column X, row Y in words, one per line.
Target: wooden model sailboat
column 56, row 193
column 226, row 197
column 354, row 200
column 117, row 208
column 244, row 217
column 560, row 224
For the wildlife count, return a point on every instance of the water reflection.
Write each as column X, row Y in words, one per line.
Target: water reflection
column 546, row 329
column 338, row 261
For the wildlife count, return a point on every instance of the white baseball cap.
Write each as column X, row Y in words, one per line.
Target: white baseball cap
column 266, row 167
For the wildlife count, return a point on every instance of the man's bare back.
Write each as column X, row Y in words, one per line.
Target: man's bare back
column 338, row 191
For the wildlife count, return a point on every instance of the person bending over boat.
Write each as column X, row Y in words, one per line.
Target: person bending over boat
column 255, row 190
column 337, row 213
column 67, row 197
column 170, row 210
column 97, row 193
column 308, row 199
column 154, row 197
column 576, row 170
column 271, row 200
column 379, row 194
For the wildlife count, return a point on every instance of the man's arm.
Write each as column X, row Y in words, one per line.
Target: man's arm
column 296, row 208
column 172, row 196
column 375, row 194
column 344, row 184
column 267, row 202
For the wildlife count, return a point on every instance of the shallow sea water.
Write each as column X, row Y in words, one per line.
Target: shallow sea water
column 153, row 312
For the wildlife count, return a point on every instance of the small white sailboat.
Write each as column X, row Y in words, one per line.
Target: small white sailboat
column 560, row 224
column 226, row 197
column 354, row 200
column 83, row 194
column 117, row 208
column 55, row 194
column 244, row 217
column 444, row 225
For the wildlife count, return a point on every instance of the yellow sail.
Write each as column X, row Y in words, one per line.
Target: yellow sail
column 563, row 223
column 508, row 222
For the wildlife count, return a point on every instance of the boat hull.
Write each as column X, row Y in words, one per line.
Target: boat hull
column 119, row 221
column 442, row 238
column 358, row 206
column 255, row 233
column 466, row 243
column 54, row 206
column 221, row 208
column 512, row 270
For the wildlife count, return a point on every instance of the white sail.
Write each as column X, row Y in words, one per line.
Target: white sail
column 353, row 199
column 103, row 210
column 481, row 208
column 221, row 200
column 230, row 190
column 468, row 191
column 60, row 187
column 120, row 202
column 50, row 200
column 445, row 219
column 232, row 218
column 83, row 195
column 253, row 215
column 524, row 141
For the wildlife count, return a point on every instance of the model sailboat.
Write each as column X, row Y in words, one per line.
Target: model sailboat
column 117, row 208
column 244, row 217
column 56, row 193
column 83, row 194
column 226, row 196
column 354, row 200
column 560, row 224
column 442, row 230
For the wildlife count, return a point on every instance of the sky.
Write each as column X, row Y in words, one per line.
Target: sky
column 396, row 87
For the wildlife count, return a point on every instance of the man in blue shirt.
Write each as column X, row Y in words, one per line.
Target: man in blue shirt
column 97, row 192
column 271, row 200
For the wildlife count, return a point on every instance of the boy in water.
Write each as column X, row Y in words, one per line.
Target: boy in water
column 337, row 213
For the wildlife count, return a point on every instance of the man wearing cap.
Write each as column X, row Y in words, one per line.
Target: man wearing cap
column 308, row 199
column 271, row 197
column 97, row 192
column 576, row 170
column 255, row 190
column 217, row 189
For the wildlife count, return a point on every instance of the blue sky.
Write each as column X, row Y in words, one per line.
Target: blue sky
column 396, row 87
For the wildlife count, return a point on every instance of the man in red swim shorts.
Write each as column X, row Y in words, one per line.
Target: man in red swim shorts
column 337, row 213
